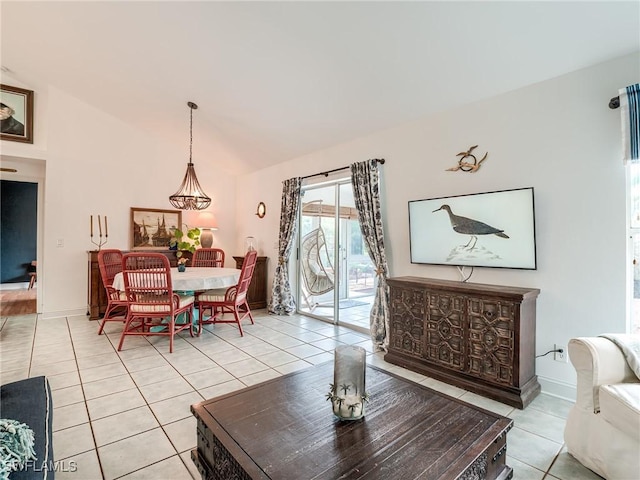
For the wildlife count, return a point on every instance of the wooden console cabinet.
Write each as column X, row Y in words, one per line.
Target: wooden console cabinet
column 475, row 336
column 257, row 294
column 96, row 294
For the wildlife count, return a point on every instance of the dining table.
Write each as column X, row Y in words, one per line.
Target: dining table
column 195, row 278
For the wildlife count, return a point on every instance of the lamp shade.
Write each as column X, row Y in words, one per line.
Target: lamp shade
column 206, row 221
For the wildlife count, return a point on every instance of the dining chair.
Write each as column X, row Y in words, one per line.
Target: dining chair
column 231, row 300
column 110, row 263
column 208, row 257
column 153, row 307
column 33, row 273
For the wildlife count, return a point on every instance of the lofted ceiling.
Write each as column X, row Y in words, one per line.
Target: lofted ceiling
column 277, row 80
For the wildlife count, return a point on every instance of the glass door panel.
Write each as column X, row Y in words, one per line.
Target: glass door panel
column 336, row 276
column 316, row 252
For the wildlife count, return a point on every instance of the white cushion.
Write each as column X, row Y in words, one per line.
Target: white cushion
column 216, row 295
column 185, row 300
column 620, row 406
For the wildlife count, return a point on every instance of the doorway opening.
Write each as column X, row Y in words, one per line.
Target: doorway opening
column 21, row 235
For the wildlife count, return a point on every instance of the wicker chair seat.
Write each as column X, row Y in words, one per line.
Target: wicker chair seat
column 160, row 303
column 215, row 295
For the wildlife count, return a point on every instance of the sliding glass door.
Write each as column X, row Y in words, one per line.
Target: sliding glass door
column 335, row 274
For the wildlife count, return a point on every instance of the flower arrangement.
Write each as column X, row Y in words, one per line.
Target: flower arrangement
column 182, row 261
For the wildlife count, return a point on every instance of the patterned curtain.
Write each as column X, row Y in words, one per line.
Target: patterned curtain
column 282, row 300
column 630, row 112
column 365, row 181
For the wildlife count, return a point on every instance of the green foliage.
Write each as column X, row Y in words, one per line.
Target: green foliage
column 190, row 243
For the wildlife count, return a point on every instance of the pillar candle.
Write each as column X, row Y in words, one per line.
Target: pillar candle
column 92, row 225
column 106, row 227
column 99, row 225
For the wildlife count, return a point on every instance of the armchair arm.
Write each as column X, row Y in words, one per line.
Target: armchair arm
column 230, row 295
column 597, row 361
column 112, row 293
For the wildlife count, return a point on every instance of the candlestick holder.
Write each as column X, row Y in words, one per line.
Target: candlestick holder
column 100, row 242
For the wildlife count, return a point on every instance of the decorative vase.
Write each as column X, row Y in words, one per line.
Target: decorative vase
column 182, row 267
column 250, row 244
column 347, row 393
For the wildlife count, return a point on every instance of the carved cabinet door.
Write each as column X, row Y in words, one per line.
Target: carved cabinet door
column 407, row 320
column 491, row 339
column 446, row 330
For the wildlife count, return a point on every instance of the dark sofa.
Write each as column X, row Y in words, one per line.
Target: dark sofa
column 29, row 401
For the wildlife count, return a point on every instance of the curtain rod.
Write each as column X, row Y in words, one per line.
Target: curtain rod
column 614, row 103
column 326, row 174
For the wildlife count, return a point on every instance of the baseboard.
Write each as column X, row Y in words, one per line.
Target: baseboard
column 63, row 313
column 558, row 389
column 14, row 286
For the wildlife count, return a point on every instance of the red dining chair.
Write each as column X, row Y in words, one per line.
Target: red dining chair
column 232, row 300
column 153, row 307
column 110, row 263
column 208, row 257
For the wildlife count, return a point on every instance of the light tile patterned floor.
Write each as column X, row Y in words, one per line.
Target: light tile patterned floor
column 108, row 404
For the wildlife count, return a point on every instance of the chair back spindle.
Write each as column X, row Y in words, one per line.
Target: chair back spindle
column 208, row 257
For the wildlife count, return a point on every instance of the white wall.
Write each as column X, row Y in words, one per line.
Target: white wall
column 95, row 164
column 558, row 136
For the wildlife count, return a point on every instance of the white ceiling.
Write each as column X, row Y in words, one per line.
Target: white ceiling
column 277, row 80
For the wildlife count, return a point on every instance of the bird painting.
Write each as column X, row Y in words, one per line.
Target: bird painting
column 469, row 226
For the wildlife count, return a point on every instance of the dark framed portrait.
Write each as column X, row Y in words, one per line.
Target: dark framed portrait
column 152, row 229
column 16, row 114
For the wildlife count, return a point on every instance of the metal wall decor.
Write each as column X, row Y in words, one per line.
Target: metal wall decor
column 262, row 210
column 190, row 195
column 468, row 161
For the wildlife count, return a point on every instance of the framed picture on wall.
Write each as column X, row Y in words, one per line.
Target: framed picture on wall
column 16, row 114
column 152, row 229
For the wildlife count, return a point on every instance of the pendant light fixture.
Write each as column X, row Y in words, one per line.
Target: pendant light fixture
column 190, row 195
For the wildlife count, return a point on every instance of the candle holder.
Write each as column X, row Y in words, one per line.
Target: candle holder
column 347, row 392
column 100, row 242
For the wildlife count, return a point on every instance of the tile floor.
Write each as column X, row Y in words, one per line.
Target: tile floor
column 125, row 415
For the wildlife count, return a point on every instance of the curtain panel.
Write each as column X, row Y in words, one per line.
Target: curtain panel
column 282, row 300
column 366, row 192
column 630, row 112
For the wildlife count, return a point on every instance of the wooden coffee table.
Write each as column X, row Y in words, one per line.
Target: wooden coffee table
column 284, row 429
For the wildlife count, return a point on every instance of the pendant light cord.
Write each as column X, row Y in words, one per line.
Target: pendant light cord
column 190, row 134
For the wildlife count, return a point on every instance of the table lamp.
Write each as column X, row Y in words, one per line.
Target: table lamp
column 207, row 223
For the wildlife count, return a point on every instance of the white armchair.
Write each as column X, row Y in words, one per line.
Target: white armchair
column 603, row 427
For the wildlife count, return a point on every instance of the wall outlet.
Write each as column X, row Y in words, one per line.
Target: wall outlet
column 560, row 356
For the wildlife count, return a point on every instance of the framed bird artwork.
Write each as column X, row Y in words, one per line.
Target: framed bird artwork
column 490, row 229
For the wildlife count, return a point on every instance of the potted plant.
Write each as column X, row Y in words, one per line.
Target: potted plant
column 182, row 264
column 184, row 243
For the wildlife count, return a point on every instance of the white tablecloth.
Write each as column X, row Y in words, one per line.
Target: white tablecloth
column 195, row 278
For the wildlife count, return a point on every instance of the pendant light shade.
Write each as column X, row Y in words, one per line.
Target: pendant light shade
column 190, row 195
